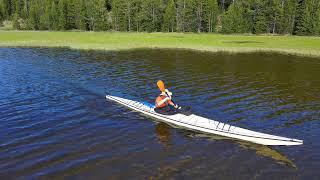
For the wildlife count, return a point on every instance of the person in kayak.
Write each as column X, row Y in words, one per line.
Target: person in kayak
column 164, row 99
column 163, row 103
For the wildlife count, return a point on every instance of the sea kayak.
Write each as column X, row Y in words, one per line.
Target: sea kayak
column 201, row 124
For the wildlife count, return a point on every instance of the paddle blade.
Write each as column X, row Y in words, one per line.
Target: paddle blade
column 160, row 85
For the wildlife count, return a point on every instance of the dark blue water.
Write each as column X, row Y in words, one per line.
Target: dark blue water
column 56, row 123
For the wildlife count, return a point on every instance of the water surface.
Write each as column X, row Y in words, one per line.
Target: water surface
column 56, row 123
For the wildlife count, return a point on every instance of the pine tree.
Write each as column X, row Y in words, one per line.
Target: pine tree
column 5, row 9
column 151, row 15
column 1, row 12
column 189, row 15
column 44, row 22
column 199, row 9
column 274, row 11
column 128, row 14
column 81, row 22
column 100, row 16
column 287, row 16
column 34, row 16
column 53, row 17
column 16, row 9
column 62, row 15
column 90, row 12
column 236, row 19
column 71, row 14
column 118, row 15
column 192, row 16
column 16, row 23
column 316, row 30
column 137, row 15
column 169, row 19
column 260, row 17
column 181, row 12
column 211, row 14
column 307, row 22
column 25, row 9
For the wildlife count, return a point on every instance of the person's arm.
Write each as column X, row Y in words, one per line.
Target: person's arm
column 163, row 101
column 172, row 104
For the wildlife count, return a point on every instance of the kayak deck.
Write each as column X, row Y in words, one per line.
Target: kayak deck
column 202, row 124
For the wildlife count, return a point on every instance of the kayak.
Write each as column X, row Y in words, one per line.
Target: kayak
column 201, row 124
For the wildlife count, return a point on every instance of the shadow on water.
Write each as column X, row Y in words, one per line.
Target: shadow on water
column 163, row 133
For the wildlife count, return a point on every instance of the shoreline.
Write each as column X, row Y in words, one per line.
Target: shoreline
column 118, row 41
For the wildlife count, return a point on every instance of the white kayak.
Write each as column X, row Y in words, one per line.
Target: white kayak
column 198, row 123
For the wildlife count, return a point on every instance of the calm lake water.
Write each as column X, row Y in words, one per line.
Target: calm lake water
column 56, row 123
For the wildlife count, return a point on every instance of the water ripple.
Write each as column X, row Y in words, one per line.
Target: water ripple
column 56, row 123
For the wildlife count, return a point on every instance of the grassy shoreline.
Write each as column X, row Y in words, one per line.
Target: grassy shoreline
column 295, row 45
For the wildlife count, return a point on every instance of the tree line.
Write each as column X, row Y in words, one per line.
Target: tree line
column 298, row 17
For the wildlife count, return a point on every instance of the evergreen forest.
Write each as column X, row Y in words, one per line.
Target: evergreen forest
column 294, row 17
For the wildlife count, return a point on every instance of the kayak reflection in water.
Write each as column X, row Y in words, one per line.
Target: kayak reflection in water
column 164, row 103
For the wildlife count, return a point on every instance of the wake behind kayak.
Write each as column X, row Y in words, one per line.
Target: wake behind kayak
column 198, row 123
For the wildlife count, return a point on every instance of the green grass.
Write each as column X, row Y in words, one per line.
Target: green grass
column 299, row 45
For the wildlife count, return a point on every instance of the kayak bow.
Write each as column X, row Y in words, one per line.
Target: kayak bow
column 198, row 123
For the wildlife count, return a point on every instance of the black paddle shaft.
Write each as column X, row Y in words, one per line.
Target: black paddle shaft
column 171, row 99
